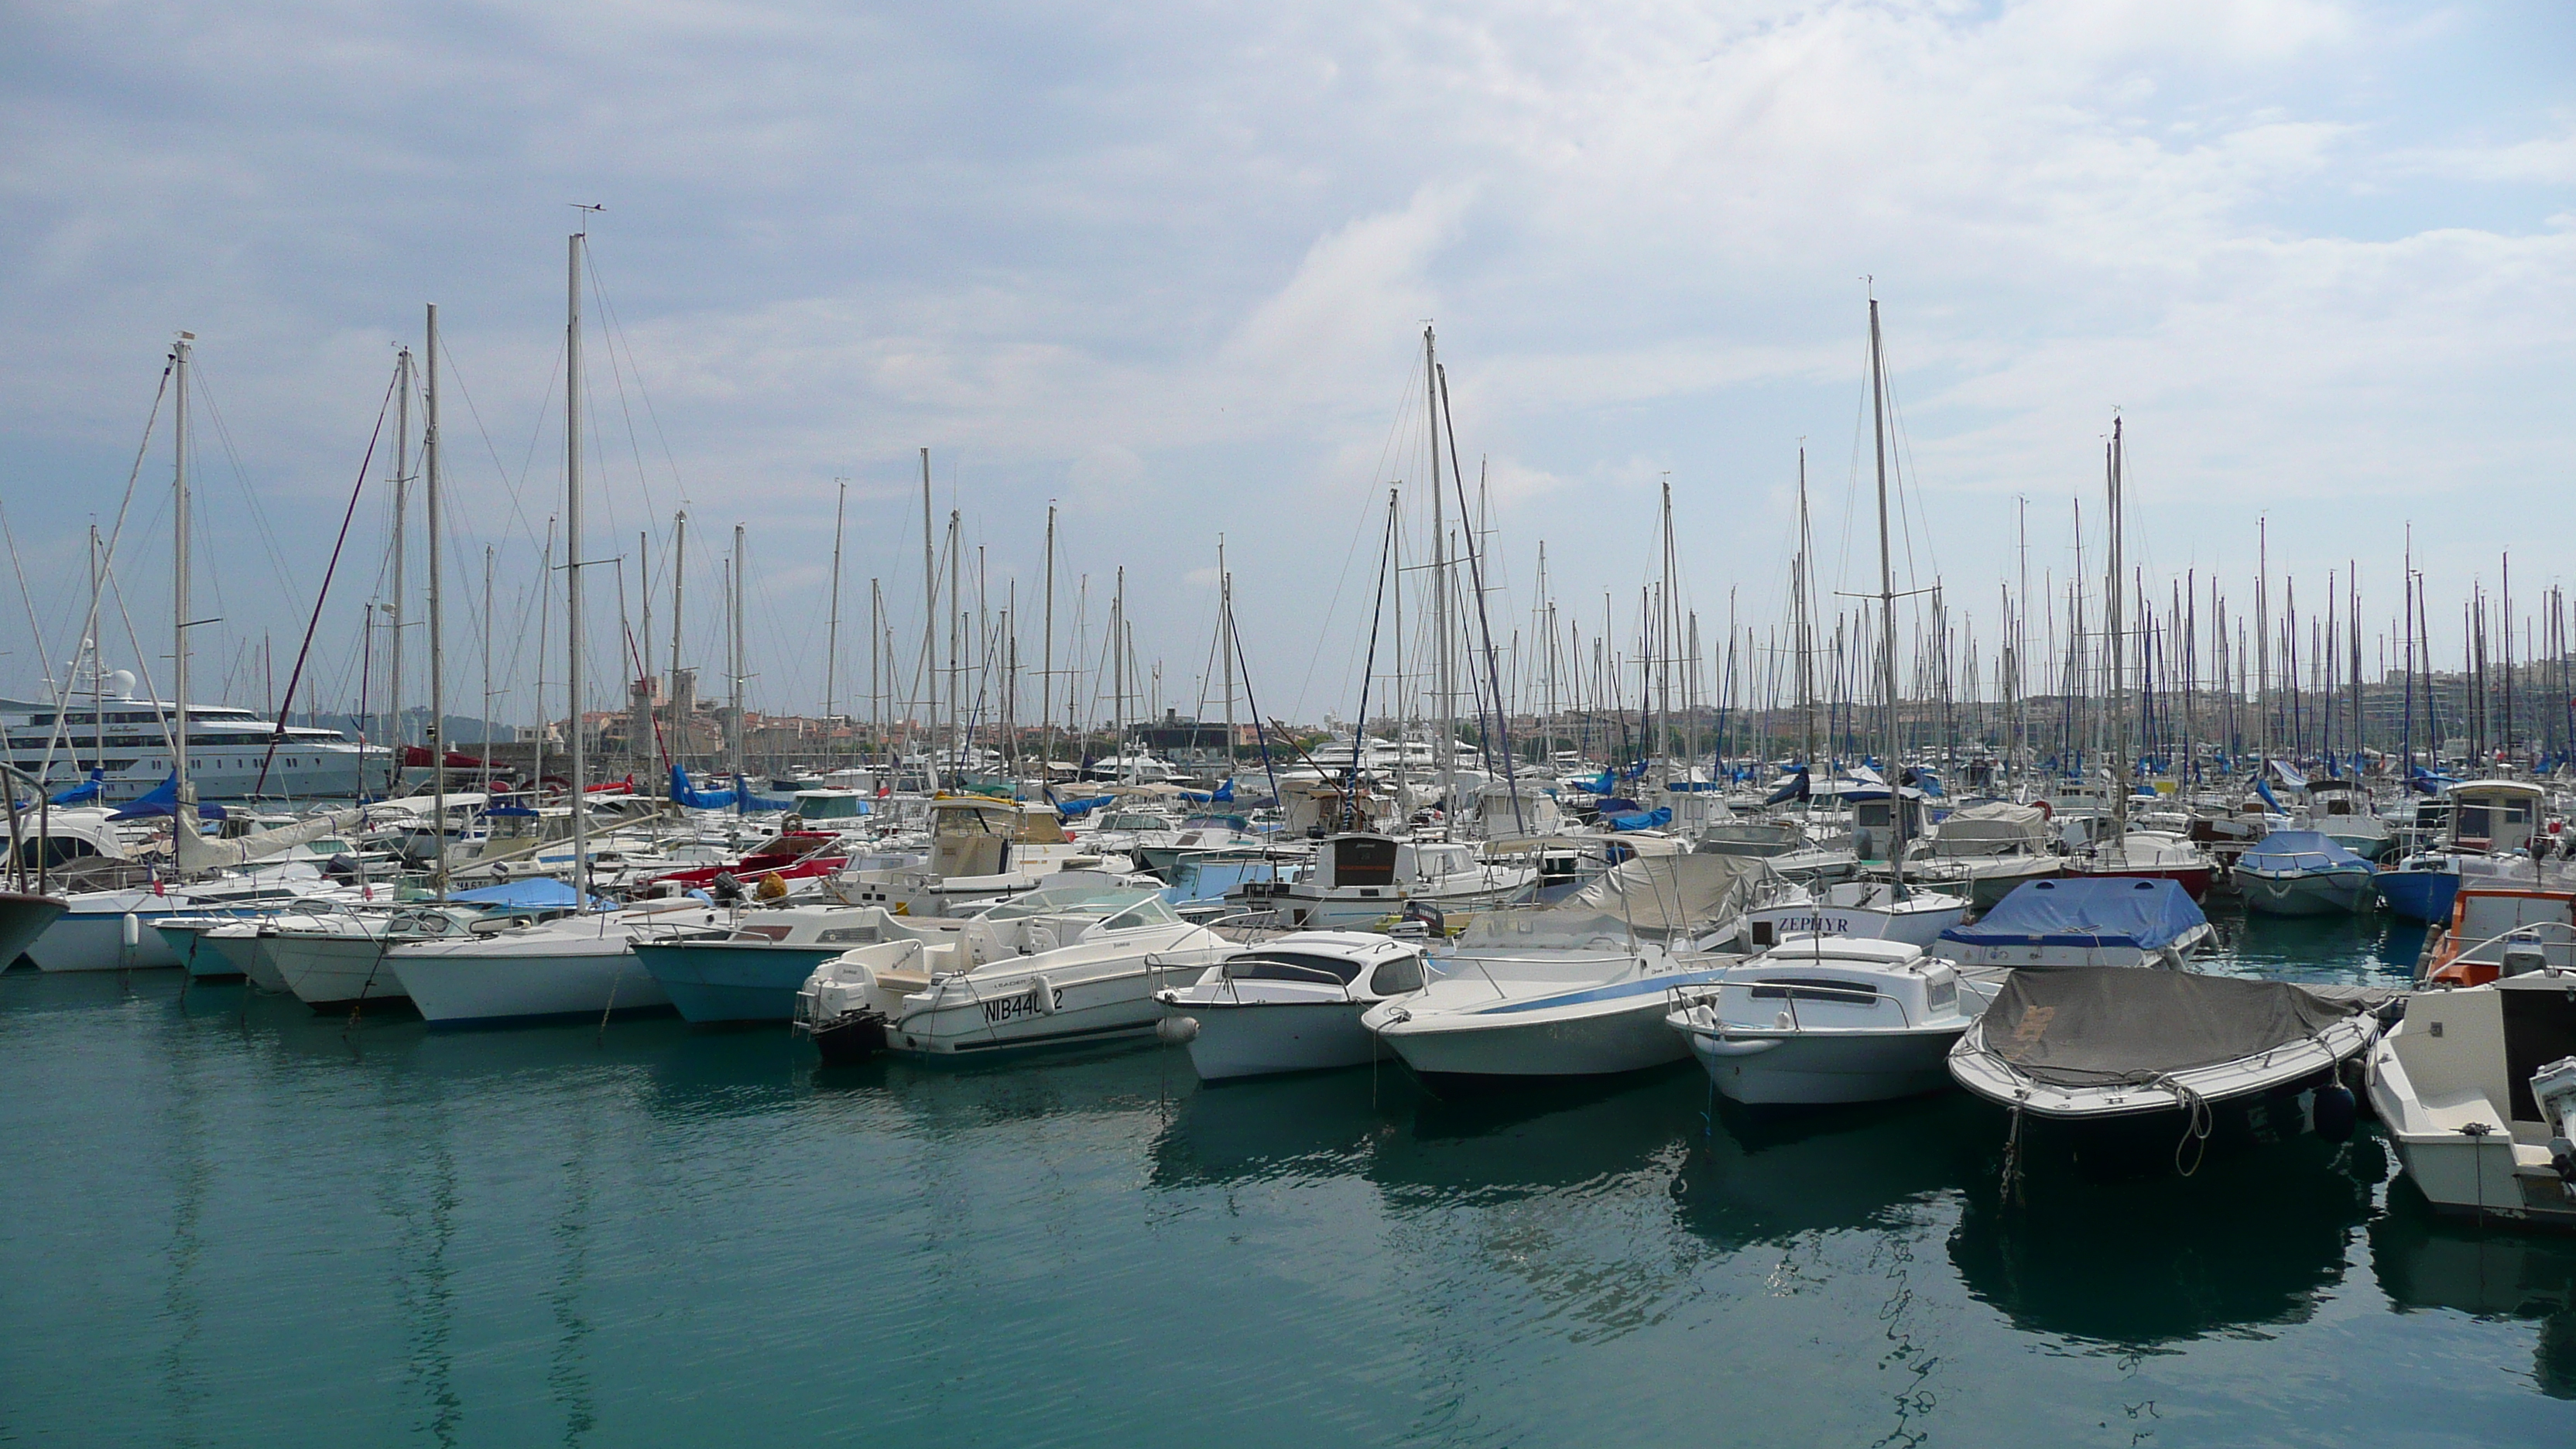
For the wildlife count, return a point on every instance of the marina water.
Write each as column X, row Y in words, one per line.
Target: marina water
column 228, row 1221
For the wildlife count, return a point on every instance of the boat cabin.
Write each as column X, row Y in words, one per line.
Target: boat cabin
column 2497, row 932
column 1874, row 824
column 976, row 835
column 2495, row 816
column 816, row 806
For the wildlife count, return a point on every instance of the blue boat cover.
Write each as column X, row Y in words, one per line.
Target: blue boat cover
column 751, row 803
column 690, row 797
column 2297, row 850
column 536, row 893
column 1661, row 815
column 164, row 800
column 84, row 792
column 2105, row 911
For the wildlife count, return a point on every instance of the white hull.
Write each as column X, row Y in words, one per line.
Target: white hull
column 584, row 971
column 334, row 970
column 2337, row 893
column 974, row 1014
column 1819, row 1069
column 1266, row 1038
column 95, row 940
column 1621, row 1029
column 1912, row 927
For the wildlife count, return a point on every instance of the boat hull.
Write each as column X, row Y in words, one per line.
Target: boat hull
column 23, row 918
column 334, row 972
column 582, row 977
column 713, row 982
column 1272, row 1038
column 2418, row 895
column 967, row 1017
column 1824, row 1069
column 2337, row 893
column 1608, row 1036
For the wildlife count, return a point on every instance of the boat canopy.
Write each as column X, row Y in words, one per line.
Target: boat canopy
column 2286, row 851
column 2077, row 911
column 2102, row 1026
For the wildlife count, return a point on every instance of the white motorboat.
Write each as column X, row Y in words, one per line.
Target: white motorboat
column 1826, row 1019
column 2476, row 1087
column 1869, row 909
column 1577, row 989
column 1360, row 879
column 2128, row 1066
column 510, row 970
column 1050, row 968
column 1290, row 1004
column 2302, row 873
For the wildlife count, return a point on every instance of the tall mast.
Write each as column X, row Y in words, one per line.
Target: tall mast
column 832, row 630
column 741, row 756
column 185, row 815
column 929, row 625
column 572, row 570
column 1886, row 604
column 484, row 780
column 1439, row 583
column 1046, row 662
column 436, row 739
column 956, row 656
column 2115, row 643
column 395, row 611
column 2263, row 640
column 679, row 572
column 876, row 636
column 1118, row 677
column 1800, row 601
column 1225, row 645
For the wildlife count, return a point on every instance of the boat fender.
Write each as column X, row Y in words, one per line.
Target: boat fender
column 1046, row 995
column 132, row 926
column 2042, row 806
column 1177, row 1030
column 2171, row 959
column 2334, row 1112
column 1722, row 1046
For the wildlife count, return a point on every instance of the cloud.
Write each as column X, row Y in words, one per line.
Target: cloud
column 1168, row 266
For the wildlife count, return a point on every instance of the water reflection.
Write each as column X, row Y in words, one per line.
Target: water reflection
column 1318, row 1124
column 1769, row 1176
column 2427, row 1262
column 2250, row 1240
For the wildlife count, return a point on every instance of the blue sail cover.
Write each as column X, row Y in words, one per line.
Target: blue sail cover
column 690, row 797
column 164, row 800
column 83, row 793
column 1075, row 809
column 1640, row 819
column 2285, row 851
column 751, row 803
column 535, row 893
column 1794, row 787
column 2110, row 911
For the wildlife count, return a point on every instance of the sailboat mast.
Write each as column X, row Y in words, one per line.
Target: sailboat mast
column 679, row 573
column 832, row 629
column 1439, row 580
column 437, row 640
column 929, row 624
column 1046, row 664
column 1225, row 646
column 572, row 569
column 733, row 657
column 395, row 610
column 185, row 815
column 1886, row 603
column 2115, row 644
column 1801, row 598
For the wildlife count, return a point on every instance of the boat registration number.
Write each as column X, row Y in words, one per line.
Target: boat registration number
column 1025, row 1004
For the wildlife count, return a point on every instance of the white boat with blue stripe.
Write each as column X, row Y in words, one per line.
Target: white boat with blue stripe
column 1574, row 990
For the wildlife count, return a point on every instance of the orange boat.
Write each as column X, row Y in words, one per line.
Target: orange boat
column 2497, row 931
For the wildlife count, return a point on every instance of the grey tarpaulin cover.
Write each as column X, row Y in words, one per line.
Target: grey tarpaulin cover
column 2099, row 1024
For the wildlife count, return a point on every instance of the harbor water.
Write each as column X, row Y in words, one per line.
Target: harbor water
column 229, row 1222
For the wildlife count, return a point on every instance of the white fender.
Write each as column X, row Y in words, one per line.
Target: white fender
column 1736, row 1046
column 1046, row 995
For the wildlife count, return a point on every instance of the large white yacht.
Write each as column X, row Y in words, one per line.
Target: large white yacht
column 98, row 724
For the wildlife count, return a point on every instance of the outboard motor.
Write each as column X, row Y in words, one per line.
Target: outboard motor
column 1431, row 917
column 2554, row 1088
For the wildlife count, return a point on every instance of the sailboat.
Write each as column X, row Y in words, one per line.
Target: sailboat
column 583, row 964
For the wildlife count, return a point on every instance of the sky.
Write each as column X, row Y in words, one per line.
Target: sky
column 1167, row 268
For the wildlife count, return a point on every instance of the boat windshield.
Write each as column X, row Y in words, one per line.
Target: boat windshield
column 1098, row 904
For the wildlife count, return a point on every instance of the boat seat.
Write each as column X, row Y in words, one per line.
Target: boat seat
column 2452, row 1111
